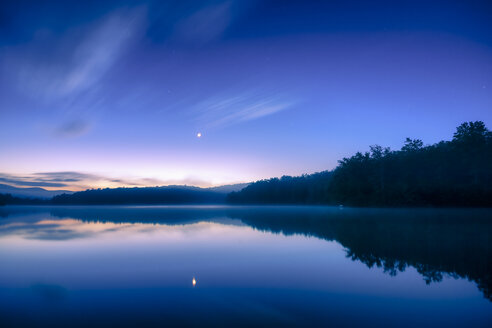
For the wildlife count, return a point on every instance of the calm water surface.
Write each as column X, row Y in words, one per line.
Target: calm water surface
column 241, row 266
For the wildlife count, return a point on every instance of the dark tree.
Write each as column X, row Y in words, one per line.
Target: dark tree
column 449, row 173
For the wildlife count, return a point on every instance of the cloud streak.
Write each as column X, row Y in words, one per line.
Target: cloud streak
column 204, row 25
column 75, row 62
column 30, row 183
column 48, row 179
column 74, row 181
column 224, row 111
column 66, row 74
column 100, row 50
column 73, row 128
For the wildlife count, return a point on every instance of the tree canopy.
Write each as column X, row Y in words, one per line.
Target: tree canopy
column 448, row 173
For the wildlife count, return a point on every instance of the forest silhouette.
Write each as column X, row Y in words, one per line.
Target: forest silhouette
column 448, row 173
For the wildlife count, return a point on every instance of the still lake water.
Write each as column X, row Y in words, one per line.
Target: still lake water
column 262, row 266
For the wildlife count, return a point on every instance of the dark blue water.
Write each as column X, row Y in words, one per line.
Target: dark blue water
column 262, row 266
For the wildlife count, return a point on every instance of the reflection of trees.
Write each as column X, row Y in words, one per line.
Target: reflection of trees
column 434, row 242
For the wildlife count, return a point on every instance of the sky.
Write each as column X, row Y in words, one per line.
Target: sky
column 114, row 93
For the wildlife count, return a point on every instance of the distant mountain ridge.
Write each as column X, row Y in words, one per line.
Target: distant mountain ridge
column 37, row 192
column 33, row 192
column 230, row 188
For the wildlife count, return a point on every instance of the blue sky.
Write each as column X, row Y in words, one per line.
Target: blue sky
column 114, row 94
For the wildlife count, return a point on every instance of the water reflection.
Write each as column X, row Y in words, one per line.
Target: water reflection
column 434, row 242
column 261, row 266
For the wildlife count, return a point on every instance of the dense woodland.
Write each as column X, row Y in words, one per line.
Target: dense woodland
column 449, row 173
column 8, row 199
column 150, row 195
column 126, row 196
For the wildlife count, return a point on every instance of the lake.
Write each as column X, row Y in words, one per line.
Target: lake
column 243, row 266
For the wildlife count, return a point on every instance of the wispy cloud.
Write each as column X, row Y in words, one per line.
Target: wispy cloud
column 204, row 25
column 100, row 50
column 48, row 179
column 72, row 180
column 27, row 182
column 52, row 68
column 73, row 128
column 224, row 111
column 66, row 73
column 65, row 176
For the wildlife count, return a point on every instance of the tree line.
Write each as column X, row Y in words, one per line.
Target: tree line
column 8, row 199
column 126, row 196
column 449, row 173
column 143, row 196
